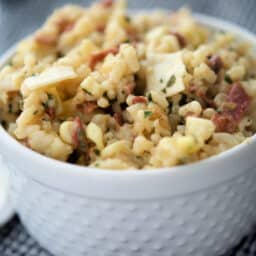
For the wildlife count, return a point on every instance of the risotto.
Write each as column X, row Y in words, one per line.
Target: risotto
column 98, row 87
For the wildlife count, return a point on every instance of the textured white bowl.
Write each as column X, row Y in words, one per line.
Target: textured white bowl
column 199, row 209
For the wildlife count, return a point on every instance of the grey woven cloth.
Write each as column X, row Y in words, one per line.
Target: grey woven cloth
column 18, row 18
column 15, row 241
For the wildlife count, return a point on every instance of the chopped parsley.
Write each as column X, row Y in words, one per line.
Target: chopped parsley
column 161, row 80
column 35, row 112
column 10, row 108
column 50, row 96
column 4, row 124
column 50, row 102
column 147, row 113
column 228, row 79
column 164, row 90
column 97, row 152
column 149, row 96
column 171, row 81
column 10, row 63
column 86, row 91
column 127, row 19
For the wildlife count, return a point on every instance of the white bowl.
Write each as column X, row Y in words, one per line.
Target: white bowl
column 203, row 208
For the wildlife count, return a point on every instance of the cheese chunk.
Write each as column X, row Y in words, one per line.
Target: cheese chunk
column 94, row 133
column 165, row 73
column 201, row 129
column 49, row 77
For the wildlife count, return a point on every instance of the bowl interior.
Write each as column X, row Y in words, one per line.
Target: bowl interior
column 70, row 175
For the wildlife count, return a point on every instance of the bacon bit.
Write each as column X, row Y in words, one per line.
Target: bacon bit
column 239, row 97
column 181, row 39
column 101, row 28
column 224, row 123
column 139, row 99
column 25, row 142
column 119, row 119
column 202, row 95
column 209, row 102
column 230, row 118
column 65, row 25
column 129, row 88
column 50, row 111
column 47, row 40
column 88, row 107
column 215, row 63
column 78, row 136
column 191, row 114
column 107, row 3
column 192, row 88
column 100, row 56
column 132, row 35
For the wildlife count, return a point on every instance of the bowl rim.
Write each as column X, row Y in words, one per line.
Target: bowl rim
column 59, row 168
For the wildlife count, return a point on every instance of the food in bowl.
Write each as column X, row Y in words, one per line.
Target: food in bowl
column 98, row 87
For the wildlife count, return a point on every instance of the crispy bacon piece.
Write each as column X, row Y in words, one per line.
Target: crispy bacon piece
column 129, row 88
column 65, row 25
column 202, row 95
column 107, row 3
column 47, row 40
column 100, row 56
column 132, row 35
column 50, row 111
column 139, row 99
column 88, row 107
column 119, row 119
column 78, row 136
column 228, row 120
column 224, row 122
column 181, row 39
column 25, row 142
column 215, row 63
column 239, row 97
column 101, row 28
column 209, row 102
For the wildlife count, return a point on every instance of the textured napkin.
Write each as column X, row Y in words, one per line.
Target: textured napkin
column 15, row 241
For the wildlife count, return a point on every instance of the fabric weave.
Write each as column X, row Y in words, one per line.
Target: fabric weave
column 15, row 241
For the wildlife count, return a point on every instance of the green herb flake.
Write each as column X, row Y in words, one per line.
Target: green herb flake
column 149, row 96
column 10, row 63
column 50, row 96
column 4, row 124
column 97, row 152
column 127, row 19
column 228, row 79
column 35, row 112
column 164, row 90
column 97, row 165
column 161, row 80
column 86, row 91
column 45, row 105
column 171, row 81
column 147, row 113
column 10, row 108
column 127, row 41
